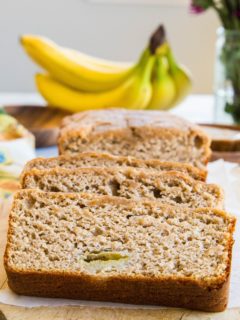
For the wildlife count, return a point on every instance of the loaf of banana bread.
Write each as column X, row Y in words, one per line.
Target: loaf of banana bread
column 137, row 133
column 168, row 187
column 104, row 160
column 113, row 249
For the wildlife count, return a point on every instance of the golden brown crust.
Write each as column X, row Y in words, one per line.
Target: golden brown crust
column 173, row 291
column 134, row 291
column 63, row 160
column 101, row 120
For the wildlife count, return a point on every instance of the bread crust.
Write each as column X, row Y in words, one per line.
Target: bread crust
column 128, row 125
column 153, row 164
column 147, row 291
column 205, row 294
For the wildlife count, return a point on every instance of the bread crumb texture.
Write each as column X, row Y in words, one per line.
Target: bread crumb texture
column 104, row 160
column 142, row 134
column 109, row 236
column 169, row 187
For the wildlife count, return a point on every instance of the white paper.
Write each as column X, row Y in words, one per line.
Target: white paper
column 227, row 175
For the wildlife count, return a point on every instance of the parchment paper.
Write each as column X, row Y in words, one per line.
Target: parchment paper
column 223, row 173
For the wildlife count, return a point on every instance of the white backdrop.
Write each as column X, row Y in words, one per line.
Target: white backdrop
column 104, row 28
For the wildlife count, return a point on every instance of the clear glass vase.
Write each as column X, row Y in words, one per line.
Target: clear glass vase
column 227, row 77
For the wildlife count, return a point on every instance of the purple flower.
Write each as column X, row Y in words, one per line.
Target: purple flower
column 199, row 6
column 196, row 9
column 237, row 13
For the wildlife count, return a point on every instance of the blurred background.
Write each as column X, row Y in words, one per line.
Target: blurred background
column 112, row 29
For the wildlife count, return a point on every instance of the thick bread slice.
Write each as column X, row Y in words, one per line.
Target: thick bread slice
column 168, row 187
column 114, row 249
column 93, row 159
column 137, row 133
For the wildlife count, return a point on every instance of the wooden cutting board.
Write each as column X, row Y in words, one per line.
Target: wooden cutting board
column 44, row 123
column 8, row 312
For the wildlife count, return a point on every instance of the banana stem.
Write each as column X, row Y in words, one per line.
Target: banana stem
column 144, row 56
column 145, row 65
column 147, row 69
column 161, row 66
column 157, row 39
column 171, row 60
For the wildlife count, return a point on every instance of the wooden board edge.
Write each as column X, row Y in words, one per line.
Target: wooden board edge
column 9, row 312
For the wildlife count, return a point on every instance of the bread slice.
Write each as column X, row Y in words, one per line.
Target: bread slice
column 137, row 133
column 93, row 159
column 113, row 249
column 168, row 187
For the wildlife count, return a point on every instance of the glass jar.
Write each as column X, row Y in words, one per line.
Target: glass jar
column 227, row 77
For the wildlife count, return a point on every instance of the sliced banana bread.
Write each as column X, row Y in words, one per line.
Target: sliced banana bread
column 93, row 159
column 137, row 133
column 114, row 249
column 169, row 187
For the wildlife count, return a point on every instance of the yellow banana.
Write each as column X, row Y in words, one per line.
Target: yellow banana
column 76, row 73
column 134, row 93
column 183, row 83
column 181, row 78
column 79, row 57
column 163, row 86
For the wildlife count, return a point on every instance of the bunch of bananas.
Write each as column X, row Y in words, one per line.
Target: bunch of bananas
column 75, row 81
